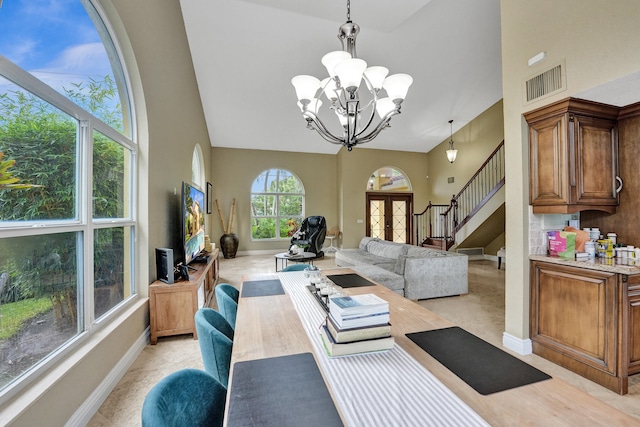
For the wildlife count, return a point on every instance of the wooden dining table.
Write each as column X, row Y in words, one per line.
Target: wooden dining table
column 274, row 326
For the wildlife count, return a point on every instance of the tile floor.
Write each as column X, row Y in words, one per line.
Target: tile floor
column 481, row 312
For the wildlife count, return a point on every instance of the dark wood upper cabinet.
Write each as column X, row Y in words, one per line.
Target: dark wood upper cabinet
column 573, row 157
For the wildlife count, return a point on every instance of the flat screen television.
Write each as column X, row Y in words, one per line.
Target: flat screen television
column 192, row 221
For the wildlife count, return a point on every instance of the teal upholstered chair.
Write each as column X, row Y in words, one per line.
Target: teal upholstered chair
column 295, row 267
column 229, row 290
column 215, row 337
column 189, row 397
column 227, row 306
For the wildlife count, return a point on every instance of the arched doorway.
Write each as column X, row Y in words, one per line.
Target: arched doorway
column 389, row 205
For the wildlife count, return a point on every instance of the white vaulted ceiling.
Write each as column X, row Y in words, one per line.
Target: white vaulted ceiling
column 245, row 53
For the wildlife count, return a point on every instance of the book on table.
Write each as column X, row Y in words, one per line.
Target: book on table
column 340, row 335
column 360, row 321
column 358, row 311
column 358, row 305
column 363, row 346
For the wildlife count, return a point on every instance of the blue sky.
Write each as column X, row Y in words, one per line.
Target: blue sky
column 53, row 39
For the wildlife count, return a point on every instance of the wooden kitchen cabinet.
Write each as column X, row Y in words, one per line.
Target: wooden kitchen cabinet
column 633, row 307
column 587, row 321
column 573, row 157
column 172, row 307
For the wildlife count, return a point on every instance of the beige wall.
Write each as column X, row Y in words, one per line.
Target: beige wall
column 170, row 122
column 474, row 142
column 334, row 186
column 600, row 41
column 234, row 170
column 356, row 168
column 175, row 120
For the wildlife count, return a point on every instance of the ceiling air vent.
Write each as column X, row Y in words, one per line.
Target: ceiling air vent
column 545, row 83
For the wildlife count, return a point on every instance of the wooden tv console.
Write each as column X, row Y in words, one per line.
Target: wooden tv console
column 172, row 307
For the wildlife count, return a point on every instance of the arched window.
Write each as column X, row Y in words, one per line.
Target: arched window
column 197, row 167
column 67, row 213
column 277, row 205
column 388, row 179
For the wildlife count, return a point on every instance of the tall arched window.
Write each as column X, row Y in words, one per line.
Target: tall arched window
column 197, row 167
column 67, row 213
column 277, row 205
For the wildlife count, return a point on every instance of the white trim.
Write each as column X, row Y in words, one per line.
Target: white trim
column 516, row 344
column 92, row 404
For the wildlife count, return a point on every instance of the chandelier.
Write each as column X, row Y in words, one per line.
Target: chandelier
column 342, row 90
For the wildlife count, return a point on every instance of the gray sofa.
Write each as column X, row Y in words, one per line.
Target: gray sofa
column 412, row 271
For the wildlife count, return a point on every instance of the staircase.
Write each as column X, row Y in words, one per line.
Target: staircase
column 437, row 225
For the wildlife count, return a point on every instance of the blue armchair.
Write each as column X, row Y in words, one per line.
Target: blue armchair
column 227, row 299
column 189, row 397
column 215, row 337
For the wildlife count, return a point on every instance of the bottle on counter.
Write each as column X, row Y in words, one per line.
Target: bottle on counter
column 590, row 248
column 594, row 234
column 613, row 237
column 609, row 252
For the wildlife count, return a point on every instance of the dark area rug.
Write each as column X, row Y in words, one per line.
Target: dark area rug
column 350, row 280
column 483, row 366
column 262, row 288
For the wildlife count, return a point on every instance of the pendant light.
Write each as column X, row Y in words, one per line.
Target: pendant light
column 451, row 152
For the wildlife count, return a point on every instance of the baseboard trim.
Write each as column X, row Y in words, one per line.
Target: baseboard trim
column 262, row 252
column 92, row 404
column 516, row 344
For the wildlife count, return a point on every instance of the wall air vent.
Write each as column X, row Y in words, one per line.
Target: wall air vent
column 546, row 83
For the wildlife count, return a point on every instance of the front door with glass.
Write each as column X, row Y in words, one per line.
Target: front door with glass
column 389, row 216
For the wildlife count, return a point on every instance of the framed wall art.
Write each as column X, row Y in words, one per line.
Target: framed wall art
column 209, row 197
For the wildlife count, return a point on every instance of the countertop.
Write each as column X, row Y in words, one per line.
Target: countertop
column 612, row 265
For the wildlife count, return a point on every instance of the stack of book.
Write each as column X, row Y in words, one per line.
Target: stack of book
column 356, row 324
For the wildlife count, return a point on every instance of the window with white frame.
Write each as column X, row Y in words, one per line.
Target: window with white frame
column 277, row 205
column 67, row 174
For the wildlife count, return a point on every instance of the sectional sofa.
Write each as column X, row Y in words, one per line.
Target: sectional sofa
column 412, row 271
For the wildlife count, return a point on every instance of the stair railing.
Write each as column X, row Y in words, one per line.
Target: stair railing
column 428, row 223
column 442, row 224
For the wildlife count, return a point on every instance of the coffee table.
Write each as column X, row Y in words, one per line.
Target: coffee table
column 283, row 259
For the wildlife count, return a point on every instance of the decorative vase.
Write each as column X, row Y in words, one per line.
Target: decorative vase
column 229, row 245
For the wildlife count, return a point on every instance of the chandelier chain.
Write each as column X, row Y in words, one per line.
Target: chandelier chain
column 348, row 10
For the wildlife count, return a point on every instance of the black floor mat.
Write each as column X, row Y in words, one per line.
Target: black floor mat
column 350, row 280
column 483, row 366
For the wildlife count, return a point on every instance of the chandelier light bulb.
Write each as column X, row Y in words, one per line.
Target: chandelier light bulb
column 384, row 106
column 350, row 73
column 312, row 106
column 306, row 87
column 397, row 86
column 330, row 89
column 331, row 59
column 375, row 76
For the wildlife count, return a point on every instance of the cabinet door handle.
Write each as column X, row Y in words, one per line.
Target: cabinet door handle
column 620, row 181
